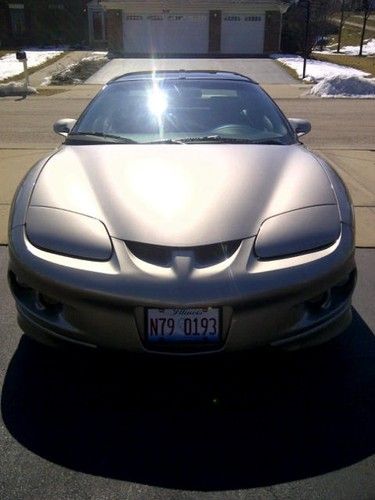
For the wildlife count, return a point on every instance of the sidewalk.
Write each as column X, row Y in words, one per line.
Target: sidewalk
column 82, row 91
column 14, row 163
column 357, row 170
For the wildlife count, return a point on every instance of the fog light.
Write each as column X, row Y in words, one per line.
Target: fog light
column 19, row 283
column 321, row 301
column 48, row 302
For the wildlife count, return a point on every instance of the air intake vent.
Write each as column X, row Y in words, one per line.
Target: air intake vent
column 204, row 256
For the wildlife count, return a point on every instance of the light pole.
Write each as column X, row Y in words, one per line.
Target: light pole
column 307, row 5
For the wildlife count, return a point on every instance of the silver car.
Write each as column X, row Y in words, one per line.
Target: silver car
column 182, row 215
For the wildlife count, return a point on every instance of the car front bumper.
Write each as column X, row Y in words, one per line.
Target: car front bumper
column 102, row 304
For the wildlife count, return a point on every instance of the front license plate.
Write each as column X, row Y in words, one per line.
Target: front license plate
column 184, row 325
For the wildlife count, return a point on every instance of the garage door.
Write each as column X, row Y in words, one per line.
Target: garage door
column 242, row 34
column 165, row 33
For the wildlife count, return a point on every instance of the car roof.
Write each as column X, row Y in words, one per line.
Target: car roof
column 182, row 75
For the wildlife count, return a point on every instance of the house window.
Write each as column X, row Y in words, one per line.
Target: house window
column 98, row 25
column 17, row 18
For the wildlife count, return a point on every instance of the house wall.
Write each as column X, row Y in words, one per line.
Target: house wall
column 272, row 32
column 190, row 6
column 117, row 9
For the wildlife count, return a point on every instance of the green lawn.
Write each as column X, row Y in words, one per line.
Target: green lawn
column 351, row 35
column 359, row 19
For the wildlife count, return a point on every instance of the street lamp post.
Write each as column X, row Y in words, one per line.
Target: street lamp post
column 306, row 4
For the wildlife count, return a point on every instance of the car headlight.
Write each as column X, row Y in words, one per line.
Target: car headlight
column 298, row 231
column 68, row 233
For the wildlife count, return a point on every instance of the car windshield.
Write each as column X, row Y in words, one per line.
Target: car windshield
column 178, row 111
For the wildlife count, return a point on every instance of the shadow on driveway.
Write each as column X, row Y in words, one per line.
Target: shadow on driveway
column 246, row 421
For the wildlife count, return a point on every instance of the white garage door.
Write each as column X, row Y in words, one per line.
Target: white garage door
column 165, row 33
column 242, row 34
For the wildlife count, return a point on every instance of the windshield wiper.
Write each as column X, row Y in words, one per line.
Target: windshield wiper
column 167, row 141
column 196, row 140
column 217, row 139
column 81, row 136
column 276, row 142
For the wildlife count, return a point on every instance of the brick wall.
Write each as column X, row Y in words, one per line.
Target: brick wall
column 272, row 31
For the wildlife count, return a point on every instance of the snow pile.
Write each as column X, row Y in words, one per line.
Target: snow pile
column 309, row 79
column 345, row 86
column 16, row 89
column 102, row 53
column 9, row 66
column 317, row 70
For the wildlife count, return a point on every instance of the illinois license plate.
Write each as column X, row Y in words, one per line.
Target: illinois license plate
column 183, row 325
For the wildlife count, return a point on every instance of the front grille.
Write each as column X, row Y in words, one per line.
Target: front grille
column 204, row 255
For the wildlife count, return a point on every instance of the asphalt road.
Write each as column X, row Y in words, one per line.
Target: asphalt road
column 259, row 426
column 336, row 123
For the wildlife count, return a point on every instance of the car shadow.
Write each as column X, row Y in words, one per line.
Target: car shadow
column 245, row 421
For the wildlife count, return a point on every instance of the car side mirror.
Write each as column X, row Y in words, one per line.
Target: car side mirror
column 300, row 126
column 64, row 126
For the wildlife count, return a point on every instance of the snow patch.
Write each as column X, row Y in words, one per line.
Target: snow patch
column 345, row 86
column 9, row 66
column 368, row 49
column 317, row 70
column 16, row 89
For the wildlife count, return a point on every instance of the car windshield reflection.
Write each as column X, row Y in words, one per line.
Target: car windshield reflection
column 183, row 111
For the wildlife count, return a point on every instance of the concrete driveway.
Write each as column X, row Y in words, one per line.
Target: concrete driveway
column 264, row 71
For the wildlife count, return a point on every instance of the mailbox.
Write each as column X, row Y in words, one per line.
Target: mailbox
column 21, row 55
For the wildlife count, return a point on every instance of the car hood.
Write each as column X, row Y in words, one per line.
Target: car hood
column 182, row 195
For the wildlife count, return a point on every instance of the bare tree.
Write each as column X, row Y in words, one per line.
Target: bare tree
column 346, row 11
column 319, row 23
column 368, row 6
